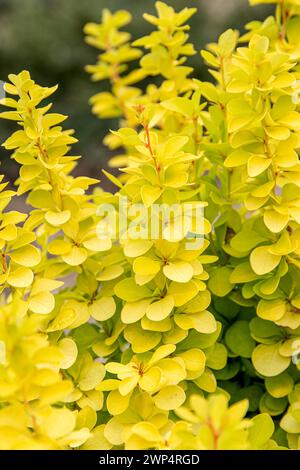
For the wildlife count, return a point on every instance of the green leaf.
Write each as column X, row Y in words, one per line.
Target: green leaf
column 268, row 361
column 279, row 386
column 128, row 290
column 180, row 105
column 260, row 430
column 239, row 340
column 219, row 282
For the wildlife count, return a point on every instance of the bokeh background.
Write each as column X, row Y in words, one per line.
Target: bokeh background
column 45, row 37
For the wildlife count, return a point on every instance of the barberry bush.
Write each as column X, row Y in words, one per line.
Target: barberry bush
column 189, row 339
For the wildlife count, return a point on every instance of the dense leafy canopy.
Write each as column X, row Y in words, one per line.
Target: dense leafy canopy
column 149, row 343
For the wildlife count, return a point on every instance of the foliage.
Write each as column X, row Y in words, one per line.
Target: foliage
column 28, row 29
column 151, row 343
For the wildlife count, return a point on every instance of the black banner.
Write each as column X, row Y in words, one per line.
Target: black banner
column 136, row 459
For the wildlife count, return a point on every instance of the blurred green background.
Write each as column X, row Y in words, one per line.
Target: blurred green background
column 45, row 37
